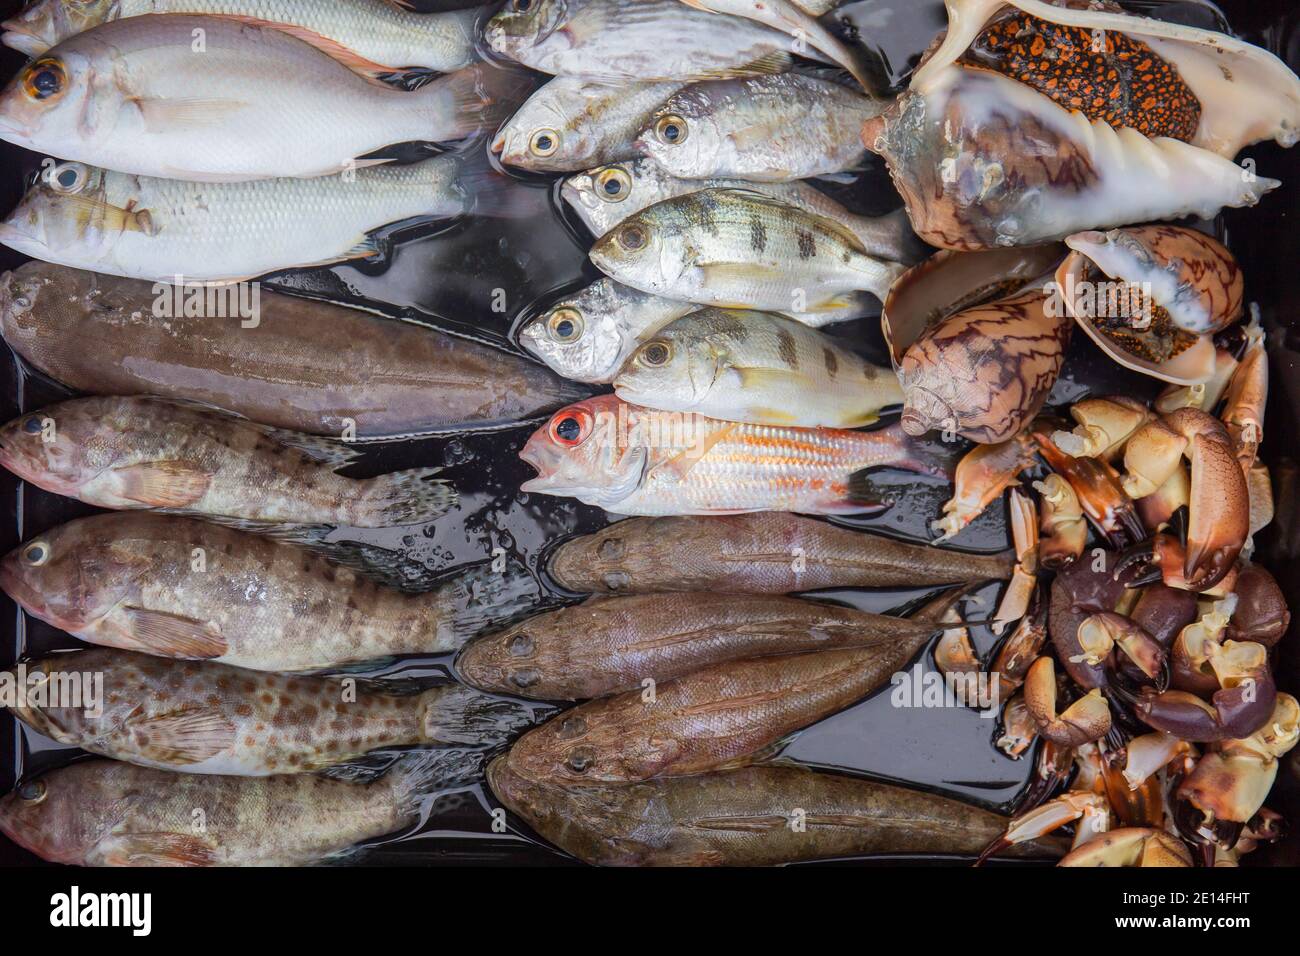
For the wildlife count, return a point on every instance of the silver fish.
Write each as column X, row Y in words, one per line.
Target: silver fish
column 758, row 367
column 605, row 196
column 574, row 123
column 160, row 229
column 761, row 128
column 740, row 249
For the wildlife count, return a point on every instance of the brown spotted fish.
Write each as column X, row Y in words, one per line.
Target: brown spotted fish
column 209, row 718
column 176, row 587
column 144, row 452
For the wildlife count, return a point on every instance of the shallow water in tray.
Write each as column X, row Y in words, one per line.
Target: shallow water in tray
column 450, row 277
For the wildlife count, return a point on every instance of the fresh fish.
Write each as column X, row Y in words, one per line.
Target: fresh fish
column 106, row 813
column 589, row 336
column 605, row 196
column 176, row 587
column 135, row 96
column 290, row 363
column 130, row 453
column 608, row 645
column 162, row 229
column 744, row 817
column 795, row 20
column 755, row 367
column 740, row 249
column 208, row 718
column 370, row 36
column 574, row 123
column 634, row 461
column 637, row 40
column 719, row 716
column 762, row 128
column 758, row 554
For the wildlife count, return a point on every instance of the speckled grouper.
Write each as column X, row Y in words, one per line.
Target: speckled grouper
column 209, row 718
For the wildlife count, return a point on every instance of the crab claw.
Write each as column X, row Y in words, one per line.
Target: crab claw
column 1084, row 721
column 1022, row 647
column 1243, row 411
column 1130, row 846
column 1101, row 633
column 1157, row 509
column 1204, row 395
column 982, row 475
column 1148, row 754
column 1090, row 810
column 1097, row 486
column 1240, row 707
column 1063, row 532
column 1105, row 424
column 1018, row 730
column 1191, row 649
column 1165, row 558
column 1261, row 614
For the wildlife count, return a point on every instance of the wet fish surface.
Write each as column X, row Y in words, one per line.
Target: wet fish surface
column 307, row 366
column 767, row 128
column 143, row 452
column 765, row 553
column 371, row 36
column 573, row 123
column 108, row 813
column 759, row 367
column 608, row 645
column 208, row 718
column 744, row 817
column 738, row 248
column 180, row 588
column 171, row 230
column 134, row 95
column 605, row 196
column 635, row 461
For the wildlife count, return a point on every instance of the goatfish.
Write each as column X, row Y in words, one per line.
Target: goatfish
column 217, row 100
column 608, row 645
column 279, row 360
column 108, row 813
column 575, row 123
column 634, row 461
column 373, row 37
column 589, row 336
column 634, row 40
column 763, row 128
column 756, row 554
column 160, row 229
column 738, row 248
column 145, row 452
column 605, row 196
column 748, row 817
column 176, row 587
column 759, row 367
column 208, row 718
column 719, row 716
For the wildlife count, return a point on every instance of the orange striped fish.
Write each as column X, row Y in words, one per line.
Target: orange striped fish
column 634, row 461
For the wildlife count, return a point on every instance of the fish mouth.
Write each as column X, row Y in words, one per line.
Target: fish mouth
column 18, row 37
column 22, row 594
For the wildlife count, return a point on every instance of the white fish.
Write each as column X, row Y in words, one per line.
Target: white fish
column 216, row 100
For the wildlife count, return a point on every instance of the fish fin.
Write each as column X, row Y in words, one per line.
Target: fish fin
column 408, row 497
column 479, row 598
column 475, row 99
column 677, row 467
column 494, row 195
column 164, row 484
column 453, row 715
column 417, row 773
column 327, row 451
column 184, row 113
column 186, row 736
column 368, row 248
column 747, row 137
column 154, row 849
column 171, row 635
column 776, row 61
column 721, row 272
column 333, row 48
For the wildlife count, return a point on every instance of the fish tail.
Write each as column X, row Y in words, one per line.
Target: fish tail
column 923, row 454
column 418, row 773
column 890, row 237
column 453, row 715
column 489, row 192
column 482, row 598
column 474, row 100
column 404, row 497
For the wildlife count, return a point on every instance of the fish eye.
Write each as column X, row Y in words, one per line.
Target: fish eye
column 580, row 760
column 570, row 427
column 544, row 142
column 67, row 177
column 671, row 130
column 613, row 185
column 521, row 645
column 521, row 6
column 33, row 791
column 654, row 354
column 36, row 553
column 631, row 238
column 45, row 78
column 565, row 325
column 32, row 425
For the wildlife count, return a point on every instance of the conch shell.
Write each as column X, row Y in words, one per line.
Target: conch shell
column 982, row 365
column 1187, row 287
column 993, row 145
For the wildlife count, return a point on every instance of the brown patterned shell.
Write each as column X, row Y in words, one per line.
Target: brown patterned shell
column 984, row 372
